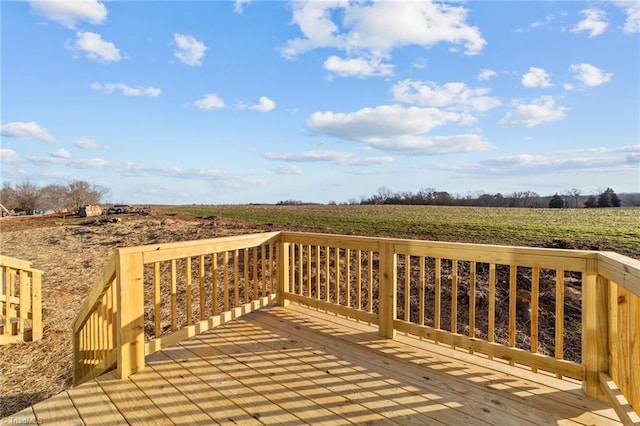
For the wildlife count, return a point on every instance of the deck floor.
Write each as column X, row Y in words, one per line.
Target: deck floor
column 296, row 366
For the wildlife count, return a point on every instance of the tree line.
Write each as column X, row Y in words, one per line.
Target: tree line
column 28, row 197
column 573, row 198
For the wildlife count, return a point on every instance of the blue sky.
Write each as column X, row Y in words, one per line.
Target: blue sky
column 262, row 101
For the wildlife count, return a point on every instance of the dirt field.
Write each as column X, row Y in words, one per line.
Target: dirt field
column 72, row 252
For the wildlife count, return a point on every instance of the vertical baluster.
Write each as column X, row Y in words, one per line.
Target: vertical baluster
column 308, row 270
column 535, row 295
column 187, row 271
column 370, row 282
column 174, row 292
column 472, row 301
column 454, row 298
column 317, row 272
column 245, row 264
column 347, row 277
column 559, row 350
column 292, row 268
column 263, row 267
column 513, row 276
column 9, row 283
column 421, row 291
column 236, row 279
column 255, row 273
column 492, row 304
column 437, row 295
column 336, row 284
column 214, row 283
column 300, row 269
column 358, row 279
column 225, row 281
column 156, row 299
column 23, row 301
column 201, row 294
column 326, row 273
column 407, row 287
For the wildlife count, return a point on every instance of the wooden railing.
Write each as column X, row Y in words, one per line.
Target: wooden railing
column 510, row 304
column 153, row 296
column 20, row 301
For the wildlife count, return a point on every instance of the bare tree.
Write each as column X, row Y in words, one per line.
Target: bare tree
column 8, row 196
column 574, row 195
column 28, row 197
column 54, row 197
column 81, row 193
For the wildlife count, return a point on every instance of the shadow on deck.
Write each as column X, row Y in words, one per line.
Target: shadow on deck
column 296, row 366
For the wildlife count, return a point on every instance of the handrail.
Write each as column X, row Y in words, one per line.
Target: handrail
column 20, row 301
column 149, row 297
column 163, row 293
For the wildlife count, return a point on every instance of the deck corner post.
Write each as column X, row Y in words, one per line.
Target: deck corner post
column 387, row 291
column 595, row 329
column 36, row 305
column 130, row 313
column 284, row 264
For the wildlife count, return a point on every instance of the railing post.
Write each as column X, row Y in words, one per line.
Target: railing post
column 130, row 313
column 36, row 305
column 387, row 291
column 595, row 329
column 283, row 272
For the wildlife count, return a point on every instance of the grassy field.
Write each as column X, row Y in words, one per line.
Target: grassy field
column 606, row 229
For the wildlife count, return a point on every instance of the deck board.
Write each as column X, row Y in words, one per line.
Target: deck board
column 294, row 366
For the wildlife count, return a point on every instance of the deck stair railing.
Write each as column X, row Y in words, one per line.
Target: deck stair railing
column 20, row 301
column 492, row 301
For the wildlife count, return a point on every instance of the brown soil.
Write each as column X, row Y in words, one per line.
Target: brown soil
column 72, row 251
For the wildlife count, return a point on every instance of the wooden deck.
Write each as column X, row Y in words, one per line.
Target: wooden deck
column 299, row 366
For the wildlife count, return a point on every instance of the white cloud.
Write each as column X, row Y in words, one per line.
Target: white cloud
column 338, row 157
column 26, row 130
column 373, row 29
column 210, row 101
column 486, row 74
column 455, row 95
column 536, row 77
column 594, row 22
column 126, row 90
column 264, row 105
column 380, row 122
column 396, row 128
column 433, row 145
column 61, row 153
column 358, row 67
column 289, row 169
column 8, row 156
column 189, row 51
column 632, row 9
column 541, row 110
column 69, row 13
column 552, row 163
column 86, row 143
column 590, row 75
column 94, row 47
column 238, row 6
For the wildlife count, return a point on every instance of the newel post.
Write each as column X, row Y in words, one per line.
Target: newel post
column 595, row 328
column 387, row 290
column 130, row 313
column 284, row 264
